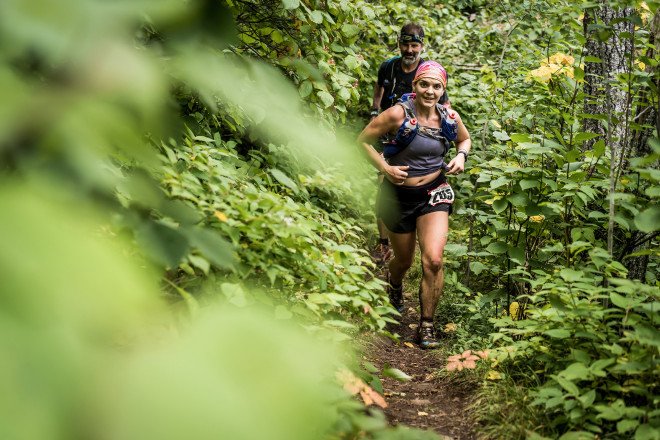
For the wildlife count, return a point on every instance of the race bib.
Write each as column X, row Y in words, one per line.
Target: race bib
column 442, row 194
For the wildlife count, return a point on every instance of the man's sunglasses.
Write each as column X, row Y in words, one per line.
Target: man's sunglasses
column 407, row 38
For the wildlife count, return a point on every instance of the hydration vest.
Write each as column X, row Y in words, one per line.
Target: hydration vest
column 409, row 129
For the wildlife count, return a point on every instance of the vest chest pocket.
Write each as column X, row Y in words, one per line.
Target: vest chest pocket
column 442, row 194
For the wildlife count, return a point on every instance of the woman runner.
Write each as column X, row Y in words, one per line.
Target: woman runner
column 416, row 199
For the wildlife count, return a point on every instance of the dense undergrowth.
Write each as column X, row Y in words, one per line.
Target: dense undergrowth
column 200, row 154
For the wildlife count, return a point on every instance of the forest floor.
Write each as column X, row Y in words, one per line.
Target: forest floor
column 428, row 401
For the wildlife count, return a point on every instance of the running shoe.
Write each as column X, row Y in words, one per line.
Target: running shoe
column 395, row 295
column 426, row 336
column 381, row 253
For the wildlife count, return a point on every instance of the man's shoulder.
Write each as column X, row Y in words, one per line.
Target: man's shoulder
column 387, row 62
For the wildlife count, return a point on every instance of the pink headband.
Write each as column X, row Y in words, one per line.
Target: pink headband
column 431, row 69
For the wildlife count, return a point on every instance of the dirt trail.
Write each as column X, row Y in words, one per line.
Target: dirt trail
column 427, row 401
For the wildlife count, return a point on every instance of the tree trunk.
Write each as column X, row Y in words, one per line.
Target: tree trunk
column 614, row 52
column 646, row 115
column 604, row 96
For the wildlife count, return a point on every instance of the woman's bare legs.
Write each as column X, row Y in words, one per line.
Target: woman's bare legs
column 403, row 246
column 432, row 230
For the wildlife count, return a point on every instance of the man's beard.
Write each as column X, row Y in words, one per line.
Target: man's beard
column 408, row 61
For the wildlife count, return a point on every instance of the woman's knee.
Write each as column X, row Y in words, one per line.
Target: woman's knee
column 432, row 263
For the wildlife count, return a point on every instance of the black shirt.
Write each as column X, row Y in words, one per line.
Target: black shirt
column 396, row 82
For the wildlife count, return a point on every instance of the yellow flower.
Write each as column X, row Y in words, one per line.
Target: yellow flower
column 557, row 64
column 451, row 327
column 560, row 58
column 543, row 73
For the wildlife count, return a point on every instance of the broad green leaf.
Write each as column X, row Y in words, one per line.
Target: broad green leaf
column 518, row 138
column 497, row 247
column 305, row 89
column 611, row 412
column 283, row 179
column 653, row 191
column 395, row 373
column 620, row 301
column 164, row 244
column 654, row 143
column 276, row 36
column 526, row 184
column 626, row 425
column 343, row 248
column 501, row 181
column 352, row 62
column 567, row 385
column 316, row 17
column 529, row 145
column 599, row 148
column 500, row 205
column 200, row 263
column 647, row 432
column 350, row 30
column 326, row 98
column 517, row 255
column 212, row 246
column 290, row 4
column 571, row 275
column 501, row 136
column 235, row 294
column 518, row 199
column 558, row 333
column 648, row 220
column 580, row 137
column 477, row 267
column 576, row 370
column 577, row 435
column 549, row 143
column 588, row 398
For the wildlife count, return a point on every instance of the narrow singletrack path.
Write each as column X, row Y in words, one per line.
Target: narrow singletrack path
column 428, row 401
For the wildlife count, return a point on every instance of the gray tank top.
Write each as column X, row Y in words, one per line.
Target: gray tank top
column 425, row 154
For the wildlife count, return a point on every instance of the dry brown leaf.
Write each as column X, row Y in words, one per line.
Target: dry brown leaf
column 354, row 385
column 351, row 383
column 369, row 396
column 365, row 398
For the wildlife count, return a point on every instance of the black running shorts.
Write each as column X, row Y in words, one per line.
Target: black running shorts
column 399, row 206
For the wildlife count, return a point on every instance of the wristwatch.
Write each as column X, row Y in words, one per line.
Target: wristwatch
column 374, row 112
column 464, row 153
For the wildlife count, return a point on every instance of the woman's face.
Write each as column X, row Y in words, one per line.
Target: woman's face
column 429, row 91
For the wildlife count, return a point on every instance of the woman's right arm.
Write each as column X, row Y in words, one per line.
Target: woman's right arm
column 388, row 121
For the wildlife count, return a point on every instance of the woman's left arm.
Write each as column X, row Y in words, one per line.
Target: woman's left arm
column 463, row 145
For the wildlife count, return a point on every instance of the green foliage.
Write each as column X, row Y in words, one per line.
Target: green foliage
column 86, row 338
column 597, row 367
column 200, row 145
column 538, row 208
column 282, row 240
